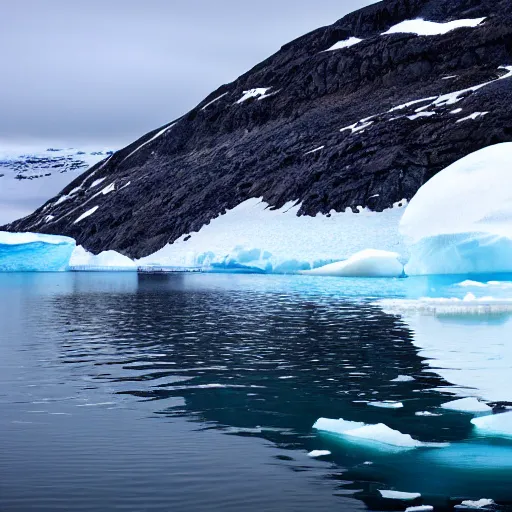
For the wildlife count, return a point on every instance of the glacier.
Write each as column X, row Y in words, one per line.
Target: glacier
column 30, row 252
column 460, row 221
column 253, row 237
column 82, row 260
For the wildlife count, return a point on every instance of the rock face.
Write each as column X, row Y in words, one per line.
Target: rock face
column 315, row 126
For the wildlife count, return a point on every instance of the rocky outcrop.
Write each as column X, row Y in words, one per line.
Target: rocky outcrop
column 318, row 127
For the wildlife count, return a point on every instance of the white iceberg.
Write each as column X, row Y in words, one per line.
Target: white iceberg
column 397, row 495
column 367, row 263
column 461, row 220
column 319, row 453
column 494, row 425
column 387, row 405
column 404, row 378
column 421, row 508
column 108, row 260
column 470, row 405
column 380, row 433
column 31, row 252
column 478, row 504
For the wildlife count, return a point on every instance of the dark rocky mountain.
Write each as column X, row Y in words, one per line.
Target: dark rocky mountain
column 175, row 179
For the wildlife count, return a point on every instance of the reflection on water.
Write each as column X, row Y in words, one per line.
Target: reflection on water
column 188, row 392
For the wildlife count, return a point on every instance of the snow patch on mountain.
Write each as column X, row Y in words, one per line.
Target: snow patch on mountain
column 347, row 43
column 422, row 27
column 29, row 176
column 260, row 93
column 88, row 213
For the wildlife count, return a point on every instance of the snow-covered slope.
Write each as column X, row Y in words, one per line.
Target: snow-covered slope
column 255, row 236
column 29, row 176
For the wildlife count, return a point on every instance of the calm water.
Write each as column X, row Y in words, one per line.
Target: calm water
column 199, row 392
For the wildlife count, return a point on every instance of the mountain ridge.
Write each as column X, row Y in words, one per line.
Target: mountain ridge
column 319, row 129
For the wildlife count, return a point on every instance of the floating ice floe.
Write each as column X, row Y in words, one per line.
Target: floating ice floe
column 427, row 414
column 368, row 263
column 494, row 424
column 420, row 508
column 351, row 41
column 387, row 405
column 402, row 496
column 382, row 435
column 469, row 405
column 403, row 378
column 422, row 27
column 108, row 260
column 472, row 231
column 477, row 504
column 319, row 453
column 30, row 252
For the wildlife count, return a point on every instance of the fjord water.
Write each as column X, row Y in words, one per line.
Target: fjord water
column 121, row 391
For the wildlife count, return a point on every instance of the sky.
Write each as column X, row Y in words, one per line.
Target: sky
column 104, row 72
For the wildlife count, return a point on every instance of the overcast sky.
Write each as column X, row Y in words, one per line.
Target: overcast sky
column 104, row 72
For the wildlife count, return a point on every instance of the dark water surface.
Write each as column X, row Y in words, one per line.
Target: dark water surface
column 199, row 392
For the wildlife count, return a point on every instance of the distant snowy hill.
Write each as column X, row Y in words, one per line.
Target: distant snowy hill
column 30, row 176
column 357, row 115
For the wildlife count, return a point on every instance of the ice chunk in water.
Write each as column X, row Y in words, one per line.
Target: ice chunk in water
column 403, row 496
column 31, row 252
column 380, row 433
column 471, row 405
column 494, row 424
column 319, row 453
column 387, row 404
column 461, row 220
column 404, row 378
column 477, row 504
column 367, row 263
